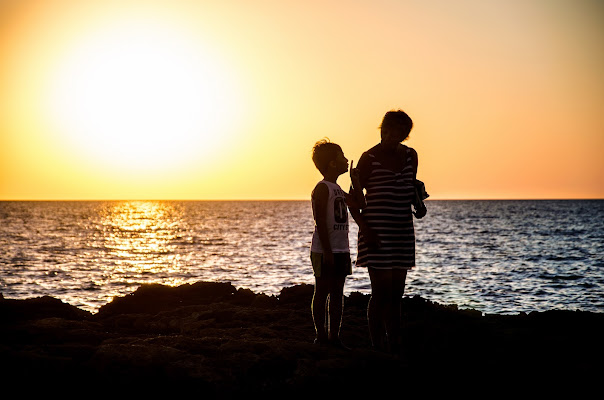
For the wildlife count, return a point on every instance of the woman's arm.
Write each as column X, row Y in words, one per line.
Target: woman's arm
column 414, row 161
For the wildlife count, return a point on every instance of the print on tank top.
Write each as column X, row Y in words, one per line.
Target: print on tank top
column 340, row 212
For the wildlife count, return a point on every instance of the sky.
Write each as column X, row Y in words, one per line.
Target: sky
column 204, row 100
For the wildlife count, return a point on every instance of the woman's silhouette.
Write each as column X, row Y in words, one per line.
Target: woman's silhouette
column 386, row 245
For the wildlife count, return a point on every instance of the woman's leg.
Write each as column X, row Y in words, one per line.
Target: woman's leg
column 376, row 309
column 398, row 290
column 384, row 311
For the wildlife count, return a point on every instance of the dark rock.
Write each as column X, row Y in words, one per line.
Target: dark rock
column 38, row 308
column 150, row 299
column 298, row 294
column 211, row 340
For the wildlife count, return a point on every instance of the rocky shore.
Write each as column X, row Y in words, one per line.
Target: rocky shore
column 212, row 340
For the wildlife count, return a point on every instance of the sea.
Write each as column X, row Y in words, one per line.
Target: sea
column 497, row 257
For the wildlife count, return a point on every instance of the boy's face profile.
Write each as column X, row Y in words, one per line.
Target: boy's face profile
column 340, row 163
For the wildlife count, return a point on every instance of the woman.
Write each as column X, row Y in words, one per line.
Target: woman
column 386, row 245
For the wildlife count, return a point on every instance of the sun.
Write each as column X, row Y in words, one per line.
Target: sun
column 138, row 95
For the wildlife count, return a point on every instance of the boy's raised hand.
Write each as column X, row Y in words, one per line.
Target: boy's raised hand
column 354, row 175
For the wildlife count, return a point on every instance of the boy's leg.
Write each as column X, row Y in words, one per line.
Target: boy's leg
column 319, row 300
column 336, row 299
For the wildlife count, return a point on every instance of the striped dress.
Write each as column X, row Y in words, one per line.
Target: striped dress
column 388, row 213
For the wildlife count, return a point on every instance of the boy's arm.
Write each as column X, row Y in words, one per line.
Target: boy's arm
column 320, row 196
column 371, row 238
column 357, row 202
column 357, row 199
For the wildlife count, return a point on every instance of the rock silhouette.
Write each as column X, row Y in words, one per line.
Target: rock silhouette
column 216, row 341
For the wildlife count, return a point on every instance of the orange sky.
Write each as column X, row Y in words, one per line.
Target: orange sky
column 224, row 99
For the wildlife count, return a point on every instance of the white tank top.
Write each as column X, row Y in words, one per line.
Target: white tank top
column 337, row 221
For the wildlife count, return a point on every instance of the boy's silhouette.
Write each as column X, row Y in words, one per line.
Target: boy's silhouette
column 330, row 252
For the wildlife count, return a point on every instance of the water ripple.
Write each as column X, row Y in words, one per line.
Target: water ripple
column 495, row 256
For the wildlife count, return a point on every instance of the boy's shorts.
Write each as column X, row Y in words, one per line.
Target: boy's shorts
column 342, row 265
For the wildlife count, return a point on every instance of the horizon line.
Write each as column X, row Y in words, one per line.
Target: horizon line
column 273, row 199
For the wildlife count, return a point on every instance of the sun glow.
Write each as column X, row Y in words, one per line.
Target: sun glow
column 214, row 100
column 141, row 96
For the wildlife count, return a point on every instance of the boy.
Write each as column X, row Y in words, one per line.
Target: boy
column 330, row 252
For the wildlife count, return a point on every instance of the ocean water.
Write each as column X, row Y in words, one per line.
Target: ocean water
column 494, row 256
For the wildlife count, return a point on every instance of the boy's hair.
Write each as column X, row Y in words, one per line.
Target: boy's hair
column 397, row 120
column 323, row 153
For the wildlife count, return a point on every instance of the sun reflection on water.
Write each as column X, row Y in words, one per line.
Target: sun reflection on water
column 140, row 238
